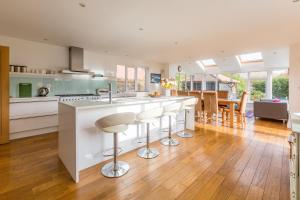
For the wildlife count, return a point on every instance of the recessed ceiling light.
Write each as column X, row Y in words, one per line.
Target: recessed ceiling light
column 82, row 5
column 141, row 29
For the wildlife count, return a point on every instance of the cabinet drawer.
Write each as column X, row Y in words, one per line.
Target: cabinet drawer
column 24, row 109
column 33, row 123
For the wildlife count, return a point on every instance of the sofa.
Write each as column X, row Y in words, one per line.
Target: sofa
column 271, row 110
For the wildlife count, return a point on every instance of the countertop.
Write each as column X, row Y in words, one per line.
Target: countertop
column 32, row 99
column 121, row 102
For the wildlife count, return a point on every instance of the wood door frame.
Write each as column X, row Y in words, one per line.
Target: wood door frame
column 4, row 94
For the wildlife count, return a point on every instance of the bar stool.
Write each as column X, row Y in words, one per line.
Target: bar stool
column 170, row 111
column 186, row 106
column 148, row 117
column 115, row 124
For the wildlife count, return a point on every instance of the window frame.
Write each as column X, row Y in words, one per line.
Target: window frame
column 135, row 78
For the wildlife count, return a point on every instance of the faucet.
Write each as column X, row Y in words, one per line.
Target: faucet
column 110, row 92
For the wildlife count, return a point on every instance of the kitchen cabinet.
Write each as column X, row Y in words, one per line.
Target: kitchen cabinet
column 33, row 116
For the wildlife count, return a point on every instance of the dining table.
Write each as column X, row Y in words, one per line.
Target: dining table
column 231, row 103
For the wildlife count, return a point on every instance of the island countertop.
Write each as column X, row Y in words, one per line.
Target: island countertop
column 81, row 144
column 121, row 102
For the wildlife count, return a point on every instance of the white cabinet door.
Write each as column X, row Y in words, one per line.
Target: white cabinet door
column 33, row 123
column 33, row 118
column 36, row 108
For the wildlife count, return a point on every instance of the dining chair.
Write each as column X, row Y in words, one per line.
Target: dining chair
column 223, row 94
column 241, row 110
column 210, row 106
column 199, row 105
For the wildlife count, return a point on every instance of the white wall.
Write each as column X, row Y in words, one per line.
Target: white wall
column 294, row 78
column 189, row 68
column 41, row 55
column 34, row 54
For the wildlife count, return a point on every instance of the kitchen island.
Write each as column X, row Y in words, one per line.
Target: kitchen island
column 82, row 145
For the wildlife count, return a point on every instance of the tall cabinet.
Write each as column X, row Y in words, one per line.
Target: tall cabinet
column 4, row 95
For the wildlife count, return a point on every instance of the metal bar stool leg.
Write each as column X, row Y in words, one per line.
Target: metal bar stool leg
column 185, row 134
column 169, row 141
column 115, row 168
column 147, row 152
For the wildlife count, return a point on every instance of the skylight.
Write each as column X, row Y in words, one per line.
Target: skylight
column 250, row 58
column 208, row 62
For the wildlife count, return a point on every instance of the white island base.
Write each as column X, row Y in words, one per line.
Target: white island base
column 81, row 144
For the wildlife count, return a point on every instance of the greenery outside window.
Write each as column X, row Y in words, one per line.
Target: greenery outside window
column 280, row 84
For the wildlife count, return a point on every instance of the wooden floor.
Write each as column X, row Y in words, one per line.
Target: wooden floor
column 217, row 163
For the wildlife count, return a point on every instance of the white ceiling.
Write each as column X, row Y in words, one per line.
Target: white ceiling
column 274, row 59
column 174, row 30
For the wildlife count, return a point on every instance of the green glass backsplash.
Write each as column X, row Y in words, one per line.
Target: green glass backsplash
column 58, row 86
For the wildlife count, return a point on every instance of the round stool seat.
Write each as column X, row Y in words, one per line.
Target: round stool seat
column 115, row 129
column 115, row 123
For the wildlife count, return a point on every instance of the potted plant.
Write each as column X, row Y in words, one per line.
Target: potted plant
column 167, row 85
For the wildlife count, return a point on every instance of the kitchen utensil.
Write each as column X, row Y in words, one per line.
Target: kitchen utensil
column 25, row 89
column 11, row 68
column 23, row 69
column 16, row 68
column 43, row 91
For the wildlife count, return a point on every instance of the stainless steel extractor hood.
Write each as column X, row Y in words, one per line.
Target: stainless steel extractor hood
column 76, row 62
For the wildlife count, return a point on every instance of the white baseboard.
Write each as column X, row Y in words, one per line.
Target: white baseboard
column 32, row 133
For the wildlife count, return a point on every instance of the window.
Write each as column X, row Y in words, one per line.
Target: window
column 131, row 78
column 197, row 85
column 210, row 85
column 258, row 85
column 208, row 63
column 250, row 58
column 236, row 84
column 121, row 74
column 141, row 79
column 280, row 84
